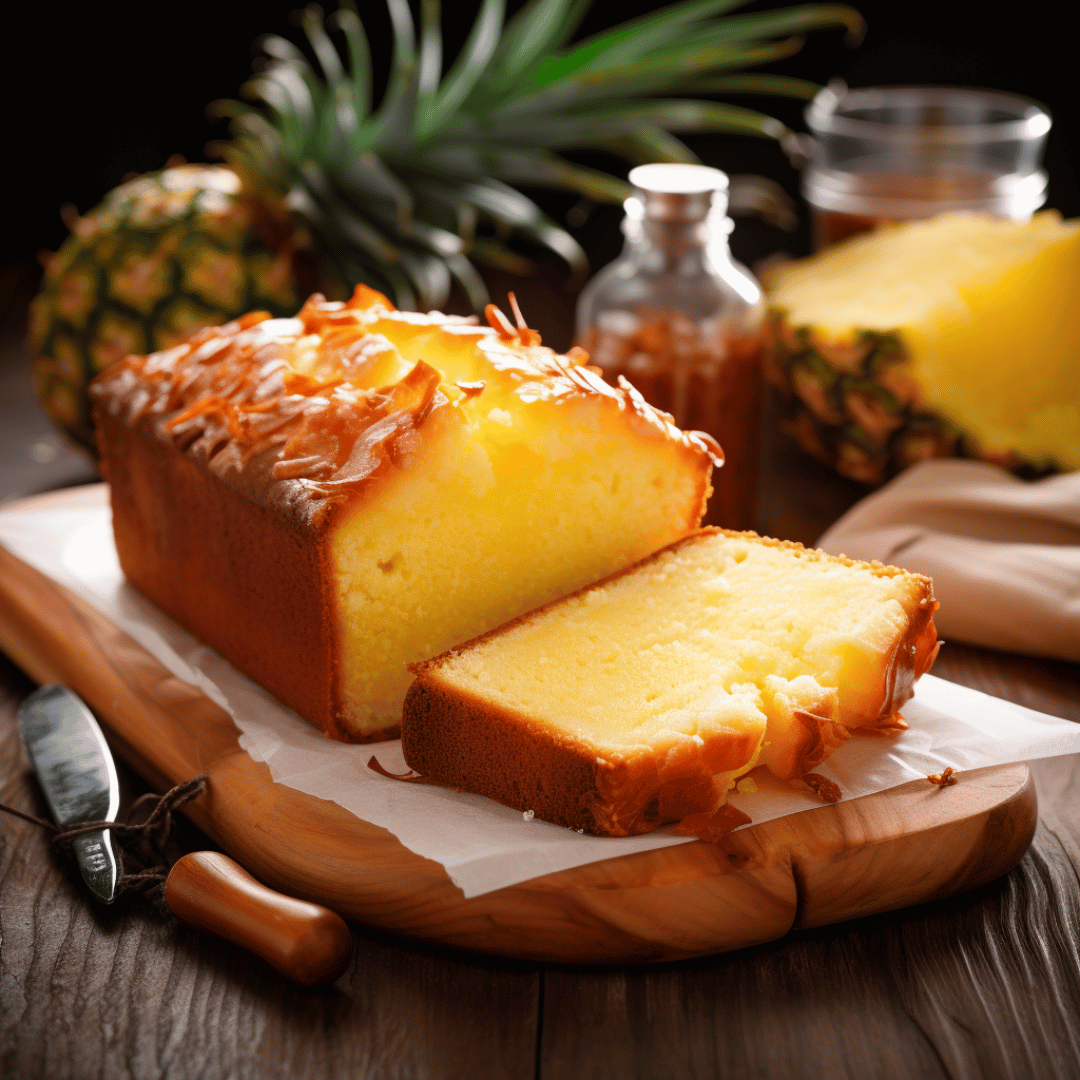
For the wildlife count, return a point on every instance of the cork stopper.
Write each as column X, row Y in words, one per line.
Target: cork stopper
column 675, row 192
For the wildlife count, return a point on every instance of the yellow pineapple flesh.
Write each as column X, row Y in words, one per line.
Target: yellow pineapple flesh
column 951, row 336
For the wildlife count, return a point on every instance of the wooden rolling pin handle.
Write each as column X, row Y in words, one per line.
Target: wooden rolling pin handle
column 305, row 942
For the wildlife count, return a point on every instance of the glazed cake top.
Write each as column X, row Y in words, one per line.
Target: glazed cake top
column 303, row 413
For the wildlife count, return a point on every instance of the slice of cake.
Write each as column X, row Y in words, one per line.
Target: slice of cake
column 328, row 498
column 641, row 699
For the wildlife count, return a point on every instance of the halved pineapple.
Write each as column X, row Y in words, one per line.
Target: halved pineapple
column 956, row 336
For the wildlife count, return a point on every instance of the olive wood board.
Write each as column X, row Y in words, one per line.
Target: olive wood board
column 877, row 853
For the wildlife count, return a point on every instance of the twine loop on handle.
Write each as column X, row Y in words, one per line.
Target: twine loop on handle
column 142, row 843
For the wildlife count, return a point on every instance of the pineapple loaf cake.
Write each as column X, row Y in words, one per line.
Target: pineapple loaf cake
column 640, row 700
column 327, row 498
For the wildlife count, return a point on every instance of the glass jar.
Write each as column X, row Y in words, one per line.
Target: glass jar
column 886, row 154
column 682, row 321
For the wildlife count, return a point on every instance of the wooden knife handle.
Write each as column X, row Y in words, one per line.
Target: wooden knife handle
column 305, row 942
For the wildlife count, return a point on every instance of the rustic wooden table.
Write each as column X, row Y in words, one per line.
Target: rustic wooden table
column 982, row 985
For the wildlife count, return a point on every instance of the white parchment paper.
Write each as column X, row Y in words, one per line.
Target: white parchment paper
column 485, row 846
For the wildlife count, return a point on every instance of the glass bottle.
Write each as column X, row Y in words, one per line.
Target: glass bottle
column 682, row 321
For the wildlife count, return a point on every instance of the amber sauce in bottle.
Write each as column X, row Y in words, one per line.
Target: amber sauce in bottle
column 682, row 321
column 707, row 382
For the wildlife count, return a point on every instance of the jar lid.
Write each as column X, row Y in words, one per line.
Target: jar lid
column 679, row 192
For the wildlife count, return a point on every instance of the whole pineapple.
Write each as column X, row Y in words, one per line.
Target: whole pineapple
column 160, row 256
column 320, row 190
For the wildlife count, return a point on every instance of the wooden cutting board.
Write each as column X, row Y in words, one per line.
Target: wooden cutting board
column 877, row 853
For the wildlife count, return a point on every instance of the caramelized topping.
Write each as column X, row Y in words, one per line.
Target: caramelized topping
column 711, row 826
column 825, row 789
column 526, row 336
column 292, row 401
column 500, row 323
column 943, row 779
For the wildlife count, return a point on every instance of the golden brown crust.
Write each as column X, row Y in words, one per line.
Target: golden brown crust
column 233, row 572
column 449, row 735
column 455, row 738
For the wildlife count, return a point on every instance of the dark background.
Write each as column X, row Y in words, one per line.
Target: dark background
column 97, row 91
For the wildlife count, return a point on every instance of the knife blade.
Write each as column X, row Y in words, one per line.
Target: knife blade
column 75, row 769
column 205, row 889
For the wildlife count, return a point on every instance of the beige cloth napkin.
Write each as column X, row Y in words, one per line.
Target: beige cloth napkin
column 1004, row 553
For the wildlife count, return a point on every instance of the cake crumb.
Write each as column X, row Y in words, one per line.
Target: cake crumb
column 945, row 778
column 825, row 789
column 529, row 815
column 889, row 725
column 746, row 786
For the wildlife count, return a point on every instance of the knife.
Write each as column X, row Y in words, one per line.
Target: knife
column 205, row 889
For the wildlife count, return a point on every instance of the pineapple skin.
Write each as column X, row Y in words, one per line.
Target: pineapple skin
column 860, row 399
column 865, row 416
column 159, row 257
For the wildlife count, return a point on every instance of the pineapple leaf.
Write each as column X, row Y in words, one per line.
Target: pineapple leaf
column 394, row 117
column 366, row 172
column 386, row 277
column 439, row 198
column 509, row 207
column 647, row 143
column 786, row 21
column 283, row 88
column 430, row 61
column 229, row 109
column 429, row 274
column 356, row 40
column 540, row 27
column 502, row 203
column 323, row 47
column 654, row 73
column 521, row 164
column 781, row 85
column 315, row 200
column 492, row 253
column 280, row 48
column 592, row 126
column 467, row 70
column 440, row 241
column 630, row 41
column 465, row 275
column 345, row 123
column 258, row 143
column 395, row 194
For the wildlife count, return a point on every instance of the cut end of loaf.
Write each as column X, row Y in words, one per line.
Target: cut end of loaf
column 641, row 700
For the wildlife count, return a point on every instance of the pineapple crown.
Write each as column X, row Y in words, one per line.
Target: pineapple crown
column 405, row 196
